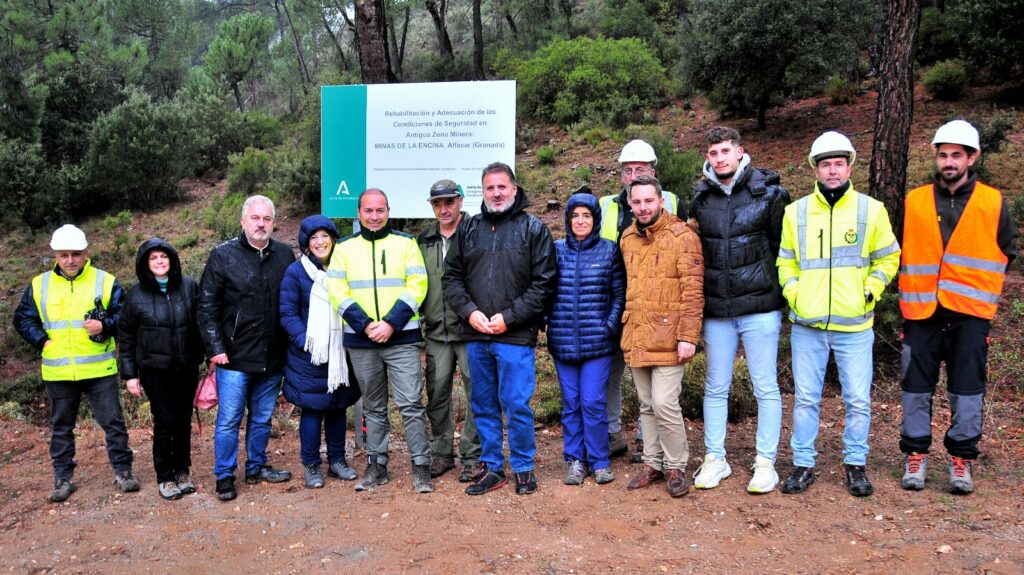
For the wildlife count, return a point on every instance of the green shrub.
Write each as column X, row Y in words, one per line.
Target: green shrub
column 295, row 174
column 546, row 156
column 139, row 151
column 224, row 216
column 582, row 174
column 742, row 403
column 248, row 171
column 22, row 397
column 936, row 37
column 568, row 80
column 590, row 135
column 222, row 131
column 841, row 91
column 21, row 167
column 945, row 80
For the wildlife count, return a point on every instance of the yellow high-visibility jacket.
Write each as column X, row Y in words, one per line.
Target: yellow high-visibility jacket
column 378, row 276
column 62, row 305
column 831, row 256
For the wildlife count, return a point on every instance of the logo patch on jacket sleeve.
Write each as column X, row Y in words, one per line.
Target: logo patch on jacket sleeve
column 851, row 236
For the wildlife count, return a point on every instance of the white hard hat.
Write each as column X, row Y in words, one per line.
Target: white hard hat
column 957, row 132
column 638, row 151
column 68, row 237
column 831, row 144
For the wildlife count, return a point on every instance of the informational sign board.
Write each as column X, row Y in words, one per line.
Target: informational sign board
column 401, row 138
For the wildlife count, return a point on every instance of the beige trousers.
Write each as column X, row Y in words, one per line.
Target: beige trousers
column 661, row 418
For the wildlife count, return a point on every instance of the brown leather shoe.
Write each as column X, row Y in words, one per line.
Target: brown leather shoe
column 645, row 478
column 677, row 484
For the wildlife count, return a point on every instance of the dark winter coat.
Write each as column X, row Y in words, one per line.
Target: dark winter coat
column 740, row 235
column 503, row 262
column 590, row 292
column 305, row 384
column 158, row 330
column 238, row 304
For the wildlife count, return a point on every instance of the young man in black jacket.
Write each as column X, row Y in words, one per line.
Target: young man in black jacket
column 739, row 211
column 499, row 276
column 239, row 323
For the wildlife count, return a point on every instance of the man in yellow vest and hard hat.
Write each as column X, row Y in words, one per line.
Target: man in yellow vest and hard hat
column 838, row 253
column 636, row 159
column 958, row 239
column 70, row 314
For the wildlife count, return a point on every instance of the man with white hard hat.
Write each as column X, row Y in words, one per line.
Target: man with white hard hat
column 74, row 329
column 838, row 253
column 636, row 159
column 958, row 239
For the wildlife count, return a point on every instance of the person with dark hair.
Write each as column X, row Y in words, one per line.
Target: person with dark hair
column 316, row 371
column 738, row 211
column 160, row 352
column 498, row 278
column 583, row 332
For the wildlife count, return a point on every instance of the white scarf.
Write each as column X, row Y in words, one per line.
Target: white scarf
column 323, row 329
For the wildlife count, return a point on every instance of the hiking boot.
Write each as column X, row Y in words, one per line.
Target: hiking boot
column 421, row 481
column 647, row 476
column 575, row 473
column 185, row 484
column 765, row 478
column 471, row 472
column 638, row 452
column 617, row 446
column 676, row 484
column 169, row 490
column 487, row 481
column 603, row 475
column 439, row 467
column 314, row 478
column 711, row 473
column 857, row 481
column 226, row 489
column 526, row 482
column 268, row 474
column 915, row 467
column 375, row 476
column 799, row 480
column 960, row 481
column 62, row 489
column 341, row 470
column 126, row 481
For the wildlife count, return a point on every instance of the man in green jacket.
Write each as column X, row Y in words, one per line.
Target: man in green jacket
column 445, row 347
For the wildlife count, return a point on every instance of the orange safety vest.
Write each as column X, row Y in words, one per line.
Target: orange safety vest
column 968, row 276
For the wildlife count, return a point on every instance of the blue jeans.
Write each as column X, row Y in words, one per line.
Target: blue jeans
column 853, row 353
column 503, row 382
column 236, row 392
column 102, row 393
column 760, row 335
column 334, row 423
column 584, row 410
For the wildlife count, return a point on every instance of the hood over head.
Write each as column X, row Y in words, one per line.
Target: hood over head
column 146, row 277
column 588, row 201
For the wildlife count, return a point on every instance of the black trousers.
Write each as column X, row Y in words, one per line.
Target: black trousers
column 170, row 393
column 962, row 343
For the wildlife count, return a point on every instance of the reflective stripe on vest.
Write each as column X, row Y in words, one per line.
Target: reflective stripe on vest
column 967, row 275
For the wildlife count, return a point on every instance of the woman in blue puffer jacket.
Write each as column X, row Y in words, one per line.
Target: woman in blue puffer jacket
column 583, row 333
column 317, row 377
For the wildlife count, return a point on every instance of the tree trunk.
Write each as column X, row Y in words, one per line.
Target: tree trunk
column 374, row 60
column 444, row 42
column 334, row 39
column 306, row 81
column 398, row 49
column 238, row 96
column 888, row 176
column 478, row 43
column 511, row 25
column 762, row 114
column 566, row 6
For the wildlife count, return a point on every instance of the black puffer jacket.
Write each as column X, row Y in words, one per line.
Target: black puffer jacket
column 740, row 234
column 158, row 330
column 505, row 263
column 238, row 304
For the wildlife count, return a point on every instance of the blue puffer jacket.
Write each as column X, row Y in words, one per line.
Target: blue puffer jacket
column 590, row 292
column 305, row 384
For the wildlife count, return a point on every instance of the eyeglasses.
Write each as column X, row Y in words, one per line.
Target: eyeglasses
column 636, row 171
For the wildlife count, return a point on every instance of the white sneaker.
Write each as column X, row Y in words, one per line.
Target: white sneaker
column 765, row 478
column 711, row 473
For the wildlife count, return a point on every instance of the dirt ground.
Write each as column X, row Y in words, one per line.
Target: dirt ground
column 286, row 528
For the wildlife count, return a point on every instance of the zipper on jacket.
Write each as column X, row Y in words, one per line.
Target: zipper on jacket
column 728, row 248
column 828, row 310
column 373, row 258
column 441, row 252
column 576, row 293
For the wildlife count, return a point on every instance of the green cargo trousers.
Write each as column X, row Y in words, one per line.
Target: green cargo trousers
column 441, row 361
